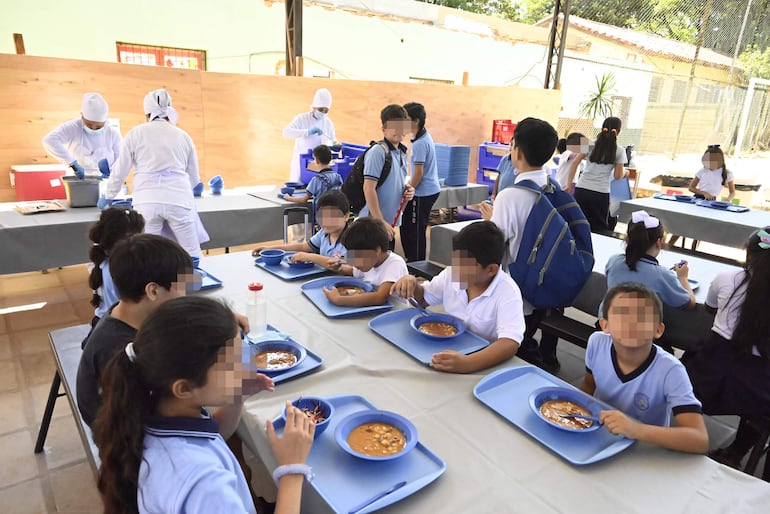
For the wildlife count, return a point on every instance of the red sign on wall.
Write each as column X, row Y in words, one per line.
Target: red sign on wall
column 130, row 53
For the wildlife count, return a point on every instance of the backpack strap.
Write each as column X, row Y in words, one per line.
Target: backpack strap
column 387, row 164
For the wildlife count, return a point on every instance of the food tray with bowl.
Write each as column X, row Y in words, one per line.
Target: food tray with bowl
column 506, row 392
column 314, row 292
column 396, row 328
column 288, row 271
column 722, row 206
column 675, row 198
column 350, row 484
column 310, row 362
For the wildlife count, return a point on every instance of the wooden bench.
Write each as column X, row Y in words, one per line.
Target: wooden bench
column 65, row 345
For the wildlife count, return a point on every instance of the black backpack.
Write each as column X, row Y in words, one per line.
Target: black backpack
column 353, row 187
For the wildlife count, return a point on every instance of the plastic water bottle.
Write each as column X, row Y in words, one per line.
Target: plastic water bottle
column 256, row 310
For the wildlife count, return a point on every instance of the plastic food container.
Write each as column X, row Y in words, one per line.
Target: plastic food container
column 82, row 193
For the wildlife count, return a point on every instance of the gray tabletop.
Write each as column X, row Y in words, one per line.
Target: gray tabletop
column 48, row 240
column 701, row 223
column 491, row 465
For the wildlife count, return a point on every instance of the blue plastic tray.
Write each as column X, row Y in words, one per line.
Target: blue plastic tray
column 314, row 291
column 344, row 481
column 286, row 272
column 311, row 362
column 507, row 391
column 675, row 198
column 394, row 327
column 721, row 207
column 208, row 281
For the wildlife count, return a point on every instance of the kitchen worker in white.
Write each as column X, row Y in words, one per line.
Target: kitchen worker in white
column 165, row 171
column 310, row 129
column 83, row 142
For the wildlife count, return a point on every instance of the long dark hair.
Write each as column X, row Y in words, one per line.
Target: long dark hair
column 606, row 145
column 639, row 239
column 754, row 324
column 179, row 340
column 114, row 225
column 714, row 150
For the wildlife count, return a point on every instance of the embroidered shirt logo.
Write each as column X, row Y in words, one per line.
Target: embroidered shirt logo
column 641, row 401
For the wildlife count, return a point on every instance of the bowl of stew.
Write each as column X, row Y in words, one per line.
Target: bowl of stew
column 352, row 287
column 376, row 435
column 551, row 403
column 437, row 326
column 317, row 409
column 274, row 357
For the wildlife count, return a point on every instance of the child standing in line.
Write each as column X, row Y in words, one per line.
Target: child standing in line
column 366, row 240
column 626, row 370
column 605, row 162
column 325, row 248
column 713, row 176
column 160, row 450
column 731, row 371
column 576, row 144
column 477, row 290
column 325, row 180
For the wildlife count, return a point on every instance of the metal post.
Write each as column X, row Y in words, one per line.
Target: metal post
column 294, row 37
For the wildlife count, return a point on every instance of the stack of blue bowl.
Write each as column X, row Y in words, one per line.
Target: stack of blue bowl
column 453, row 162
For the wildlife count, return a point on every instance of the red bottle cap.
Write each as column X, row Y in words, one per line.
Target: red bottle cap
column 255, row 286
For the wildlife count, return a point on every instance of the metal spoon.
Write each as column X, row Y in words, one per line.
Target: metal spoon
column 595, row 419
column 415, row 303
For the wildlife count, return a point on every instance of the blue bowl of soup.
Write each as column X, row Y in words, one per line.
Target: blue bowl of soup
column 352, row 287
column 549, row 403
column 437, row 326
column 376, row 435
column 272, row 257
column 275, row 357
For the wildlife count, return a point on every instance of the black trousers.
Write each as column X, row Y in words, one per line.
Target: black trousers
column 414, row 223
column 596, row 207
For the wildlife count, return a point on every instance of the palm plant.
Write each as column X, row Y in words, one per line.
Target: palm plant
column 598, row 103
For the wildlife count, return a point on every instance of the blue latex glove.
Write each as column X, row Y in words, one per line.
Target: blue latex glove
column 103, row 203
column 314, row 131
column 79, row 170
column 104, row 167
column 198, row 189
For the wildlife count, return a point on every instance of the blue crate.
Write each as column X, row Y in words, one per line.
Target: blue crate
column 344, row 161
column 487, row 159
column 482, row 177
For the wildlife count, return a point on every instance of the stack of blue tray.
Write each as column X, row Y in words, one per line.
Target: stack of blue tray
column 453, row 162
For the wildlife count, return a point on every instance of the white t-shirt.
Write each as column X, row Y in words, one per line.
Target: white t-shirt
column 562, row 172
column 70, row 142
column 393, row 268
column 496, row 313
column 597, row 177
column 728, row 310
column 711, row 180
column 512, row 208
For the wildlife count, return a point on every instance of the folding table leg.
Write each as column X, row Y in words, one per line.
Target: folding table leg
column 50, row 404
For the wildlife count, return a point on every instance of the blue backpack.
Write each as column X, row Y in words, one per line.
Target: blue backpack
column 556, row 257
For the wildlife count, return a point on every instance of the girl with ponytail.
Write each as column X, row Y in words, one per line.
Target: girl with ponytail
column 160, row 450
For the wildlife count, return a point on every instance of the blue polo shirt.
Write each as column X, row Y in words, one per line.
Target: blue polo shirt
column 648, row 272
column 322, row 182
column 507, row 173
column 187, row 468
column 424, row 152
column 321, row 244
column 391, row 191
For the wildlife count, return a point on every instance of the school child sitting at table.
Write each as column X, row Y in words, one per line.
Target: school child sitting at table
column 369, row 259
column 160, row 449
column 325, row 248
column 730, row 372
column 646, row 385
column 477, row 290
column 325, row 180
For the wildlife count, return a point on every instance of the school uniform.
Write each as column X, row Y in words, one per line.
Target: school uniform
column 417, row 210
column 392, row 268
column 710, row 181
column 658, row 388
column 325, row 180
column 187, row 468
column 321, row 244
column 494, row 314
column 391, row 191
column 506, row 172
column 650, row 273
column 70, row 142
column 592, row 191
column 726, row 380
column 562, row 172
column 165, row 171
column 107, row 291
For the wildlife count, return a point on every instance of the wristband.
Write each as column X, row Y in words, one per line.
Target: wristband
column 293, row 469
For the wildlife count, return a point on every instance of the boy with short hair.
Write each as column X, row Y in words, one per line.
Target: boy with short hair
column 384, row 202
column 325, row 248
column 366, row 240
column 477, row 290
column 325, row 180
column 626, row 370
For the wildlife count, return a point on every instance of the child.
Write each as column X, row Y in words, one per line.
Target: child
column 575, row 144
column 731, row 372
column 605, row 162
column 114, row 225
column 325, row 247
column 475, row 289
column 626, row 370
column 714, row 176
column 325, row 180
column 147, row 270
column 367, row 243
column 160, row 450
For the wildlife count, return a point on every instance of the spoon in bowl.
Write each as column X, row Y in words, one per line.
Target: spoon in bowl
column 416, row 304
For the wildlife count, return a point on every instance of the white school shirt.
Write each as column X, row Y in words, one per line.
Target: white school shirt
column 597, row 177
column 297, row 130
column 512, row 208
column 728, row 309
column 70, row 142
column 165, row 165
column 392, row 268
column 496, row 313
column 710, row 181
column 562, row 172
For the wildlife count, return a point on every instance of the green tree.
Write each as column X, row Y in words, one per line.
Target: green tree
column 756, row 63
column 505, row 9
